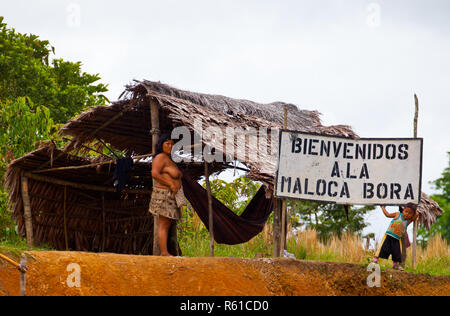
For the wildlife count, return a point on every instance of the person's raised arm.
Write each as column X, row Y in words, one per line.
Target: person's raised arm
column 387, row 214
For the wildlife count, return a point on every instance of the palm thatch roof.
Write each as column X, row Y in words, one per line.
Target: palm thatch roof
column 130, row 132
column 429, row 211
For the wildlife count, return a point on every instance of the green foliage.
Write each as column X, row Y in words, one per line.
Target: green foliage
column 328, row 219
column 61, row 86
column 37, row 94
column 443, row 183
column 7, row 226
column 235, row 195
column 442, row 225
column 22, row 126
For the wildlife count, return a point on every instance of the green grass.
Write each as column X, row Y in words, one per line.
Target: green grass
column 15, row 248
column 435, row 266
column 199, row 247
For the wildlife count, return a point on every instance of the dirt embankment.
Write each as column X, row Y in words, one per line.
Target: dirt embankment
column 75, row 273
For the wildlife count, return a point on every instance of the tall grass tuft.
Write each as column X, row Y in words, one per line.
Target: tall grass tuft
column 307, row 246
column 433, row 259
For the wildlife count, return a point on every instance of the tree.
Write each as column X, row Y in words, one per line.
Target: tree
column 27, row 71
column 37, row 94
column 442, row 225
column 20, row 129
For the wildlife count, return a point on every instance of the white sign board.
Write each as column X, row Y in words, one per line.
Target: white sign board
column 348, row 171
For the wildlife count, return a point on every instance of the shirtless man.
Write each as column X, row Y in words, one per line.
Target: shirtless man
column 168, row 178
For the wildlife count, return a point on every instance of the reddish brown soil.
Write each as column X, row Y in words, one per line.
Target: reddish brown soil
column 111, row 274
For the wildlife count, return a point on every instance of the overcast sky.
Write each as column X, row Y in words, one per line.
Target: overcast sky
column 357, row 62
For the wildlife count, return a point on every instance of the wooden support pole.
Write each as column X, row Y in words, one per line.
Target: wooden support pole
column 284, row 202
column 23, row 278
column 276, row 227
column 66, row 237
column 210, row 212
column 27, row 212
column 22, row 267
column 416, row 223
column 285, row 122
column 154, row 120
column 88, row 166
column 283, row 226
column 103, row 224
column 82, row 186
column 404, row 249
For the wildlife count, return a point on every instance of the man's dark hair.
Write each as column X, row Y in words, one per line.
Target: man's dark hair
column 159, row 146
column 411, row 206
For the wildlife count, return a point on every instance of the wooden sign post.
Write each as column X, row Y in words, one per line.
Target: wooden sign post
column 210, row 212
column 416, row 223
column 284, row 201
column 280, row 215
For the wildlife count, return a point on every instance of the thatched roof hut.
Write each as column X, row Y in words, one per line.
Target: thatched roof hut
column 81, row 208
column 82, row 203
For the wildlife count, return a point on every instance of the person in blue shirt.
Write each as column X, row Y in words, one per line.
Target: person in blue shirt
column 390, row 245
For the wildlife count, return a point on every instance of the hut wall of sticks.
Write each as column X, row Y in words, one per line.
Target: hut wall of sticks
column 69, row 198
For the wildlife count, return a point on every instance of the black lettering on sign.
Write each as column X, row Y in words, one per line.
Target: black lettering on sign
column 368, row 190
column 335, row 172
column 337, row 148
column 332, row 183
column 325, row 148
column 347, row 150
column 395, row 190
column 382, row 191
column 378, row 151
column 297, row 145
column 403, row 151
column 312, row 147
column 297, row 186
column 409, row 194
column 364, row 172
column 391, row 151
column 345, row 192
column 321, row 187
column 288, row 180
column 306, row 188
column 360, row 151
column 349, row 176
column 305, row 146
